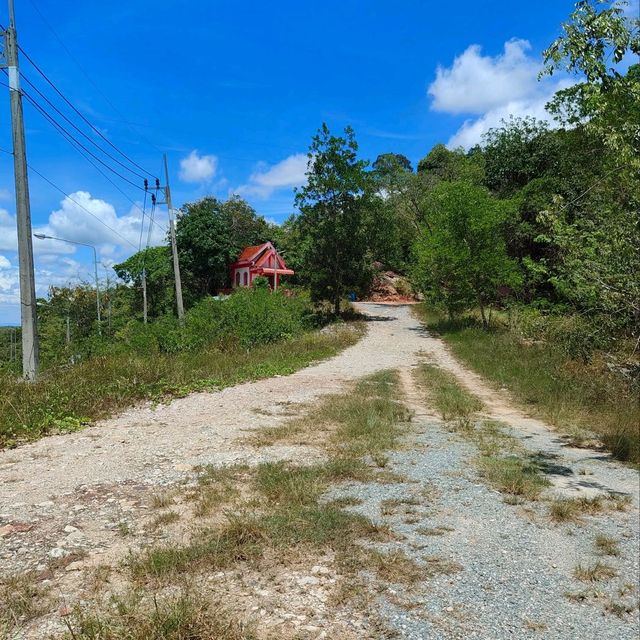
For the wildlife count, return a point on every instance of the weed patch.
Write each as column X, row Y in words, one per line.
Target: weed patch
column 448, row 397
column 594, row 573
column 186, row 616
column 583, row 398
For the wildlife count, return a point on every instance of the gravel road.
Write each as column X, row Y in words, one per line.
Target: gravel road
column 69, row 494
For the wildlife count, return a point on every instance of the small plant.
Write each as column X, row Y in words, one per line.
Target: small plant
column 451, row 400
column 595, row 573
column 162, row 500
column 607, row 545
column 513, row 475
column 21, row 600
column 166, row 518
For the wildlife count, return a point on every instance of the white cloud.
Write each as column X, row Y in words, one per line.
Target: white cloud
column 288, row 173
column 8, row 233
column 54, row 263
column 106, row 230
column 475, row 83
column 198, row 168
column 493, row 89
column 471, row 132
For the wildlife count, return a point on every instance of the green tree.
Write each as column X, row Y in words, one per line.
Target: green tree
column 453, row 165
column 517, row 152
column 156, row 262
column 210, row 235
column 594, row 42
column 462, row 260
column 334, row 207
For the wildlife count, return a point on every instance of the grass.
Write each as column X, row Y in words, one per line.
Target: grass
column 450, row 399
column 513, row 475
column 166, row 518
column 285, row 510
column 573, row 509
column 502, row 462
column 607, row 545
column 185, row 616
column 595, row 573
column 579, row 398
column 21, row 600
column 273, row 513
column 67, row 398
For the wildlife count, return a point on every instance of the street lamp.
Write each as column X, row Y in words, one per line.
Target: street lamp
column 42, row 236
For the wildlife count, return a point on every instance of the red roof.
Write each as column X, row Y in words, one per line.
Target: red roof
column 250, row 252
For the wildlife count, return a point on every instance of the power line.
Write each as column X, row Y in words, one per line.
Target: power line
column 90, row 79
column 79, row 147
column 75, row 109
column 82, row 133
column 74, row 141
column 66, row 195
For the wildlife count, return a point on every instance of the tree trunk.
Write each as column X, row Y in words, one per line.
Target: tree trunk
column 336, row 305
column 483, row 315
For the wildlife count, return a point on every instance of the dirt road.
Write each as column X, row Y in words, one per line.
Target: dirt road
column 72, row 495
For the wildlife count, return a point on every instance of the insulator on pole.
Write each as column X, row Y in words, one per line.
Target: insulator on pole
column 146, row 184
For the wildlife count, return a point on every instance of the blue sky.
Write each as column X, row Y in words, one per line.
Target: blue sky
column 233, row 92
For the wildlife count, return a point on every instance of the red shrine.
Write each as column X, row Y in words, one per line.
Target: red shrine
column 261, row 260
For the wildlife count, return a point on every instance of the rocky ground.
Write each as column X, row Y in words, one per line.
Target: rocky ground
column 72, row 507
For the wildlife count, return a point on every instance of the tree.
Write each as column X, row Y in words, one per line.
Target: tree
column 333, row 206
column 158, row 268
column 609, row 101
column 517, row 152
column 210, row 235
column 391, row 163
column 462, row 260
column 453, row 165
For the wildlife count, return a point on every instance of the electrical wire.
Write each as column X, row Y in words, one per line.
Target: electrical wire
column 66, row 195
column 82, row 133
column 78, row 112
column 75, row 142
column 79, row 148
column 90, row 79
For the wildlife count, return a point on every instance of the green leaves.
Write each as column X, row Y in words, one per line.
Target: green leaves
column 334, row 205
column 462, row 260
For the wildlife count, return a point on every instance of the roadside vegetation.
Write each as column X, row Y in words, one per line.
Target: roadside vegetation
column 254, row 334
column 590, row 400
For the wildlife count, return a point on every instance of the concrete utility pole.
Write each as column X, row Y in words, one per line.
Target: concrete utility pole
column 174, row 246
column 144, row 296
column 28, row 314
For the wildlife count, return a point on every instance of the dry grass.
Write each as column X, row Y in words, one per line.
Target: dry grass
column 186, row 616
column 395, row 567
column 165, row 518
column 606, row 545
column 21, row 600
column 573, row 509
column 595, row 573
column 434, row 531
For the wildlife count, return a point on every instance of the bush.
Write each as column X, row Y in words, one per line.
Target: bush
column 258, row 316
column 577, row 337
column 249, row 317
